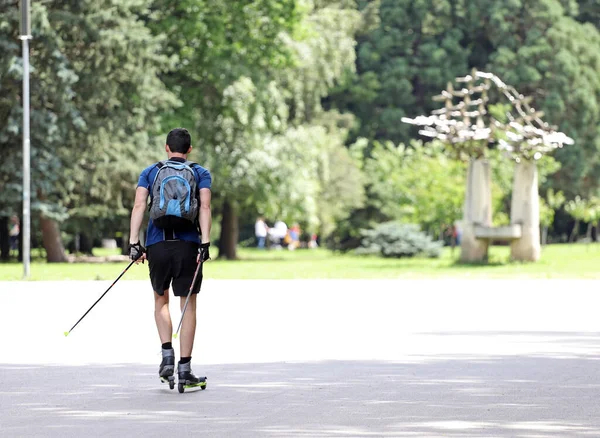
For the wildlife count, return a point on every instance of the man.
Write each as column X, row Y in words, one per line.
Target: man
column 260, row 231
column 14, row 232
column 173, row 246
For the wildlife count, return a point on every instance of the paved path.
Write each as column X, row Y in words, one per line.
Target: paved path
column 444, row 358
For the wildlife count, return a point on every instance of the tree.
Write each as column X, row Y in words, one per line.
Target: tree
column 577, row 208
column 541, row 55
column 95, row 99
column 416, row 184
column 224, row 57
column 252, row 76
column 52, row 116
column 546, row 53
column 589, row 11
column 409, row 57
column 548, row 207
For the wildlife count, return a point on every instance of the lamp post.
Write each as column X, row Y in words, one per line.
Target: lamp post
column 26, row 225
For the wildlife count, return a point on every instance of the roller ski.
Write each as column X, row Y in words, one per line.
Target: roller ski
column 187, row 379
column 166, row 371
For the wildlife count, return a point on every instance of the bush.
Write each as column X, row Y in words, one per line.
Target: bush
column 393, row 239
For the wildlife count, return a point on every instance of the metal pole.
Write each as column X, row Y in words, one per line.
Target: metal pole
column 26, row 225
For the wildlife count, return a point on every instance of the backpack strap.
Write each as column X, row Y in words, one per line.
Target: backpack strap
column 195, row 166
column 158, row 166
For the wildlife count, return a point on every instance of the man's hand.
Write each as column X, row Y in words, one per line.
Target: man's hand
column 203, row 253
column 137, row 252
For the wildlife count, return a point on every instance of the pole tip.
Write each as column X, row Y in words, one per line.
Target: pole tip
column 66, row 333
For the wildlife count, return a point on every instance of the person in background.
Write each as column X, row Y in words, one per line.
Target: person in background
column 294, row 234
column 312, row 244
column 14, row 232
column 260, row 231
column 278, row 234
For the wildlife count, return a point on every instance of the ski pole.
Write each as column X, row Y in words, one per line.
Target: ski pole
column 188, row 298
column 98, row 300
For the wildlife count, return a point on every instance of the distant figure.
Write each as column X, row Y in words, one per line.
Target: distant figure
column 312, row 244
column 14, row 232
column 260, row 231
column 278, row 233
column 294, row 237
column 454, row 237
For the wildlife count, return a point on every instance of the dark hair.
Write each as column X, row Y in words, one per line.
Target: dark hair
column 179, row 140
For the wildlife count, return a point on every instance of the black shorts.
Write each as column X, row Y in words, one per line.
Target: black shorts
column 174, row 261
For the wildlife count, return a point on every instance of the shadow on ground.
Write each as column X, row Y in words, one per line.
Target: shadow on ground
column 542, row 396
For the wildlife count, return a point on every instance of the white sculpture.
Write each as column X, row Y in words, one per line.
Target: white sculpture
column 468, row 129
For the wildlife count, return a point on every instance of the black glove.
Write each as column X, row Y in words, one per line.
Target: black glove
column 136, row 250
column 203, row 252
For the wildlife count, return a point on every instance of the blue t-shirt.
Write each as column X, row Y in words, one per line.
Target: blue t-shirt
column 154, row 234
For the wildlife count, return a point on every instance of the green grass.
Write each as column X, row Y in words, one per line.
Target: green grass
column 558, row 261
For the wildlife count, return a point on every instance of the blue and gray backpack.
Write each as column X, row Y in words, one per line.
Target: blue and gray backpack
column 174, row 202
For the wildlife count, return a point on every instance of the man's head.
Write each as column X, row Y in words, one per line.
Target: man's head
column 179, row 141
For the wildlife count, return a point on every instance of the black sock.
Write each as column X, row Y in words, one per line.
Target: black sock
column 185, row 359
column 167, row 346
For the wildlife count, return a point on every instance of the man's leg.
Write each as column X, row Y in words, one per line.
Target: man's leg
column 165, row 331
column 163, row 317
column 188, row 326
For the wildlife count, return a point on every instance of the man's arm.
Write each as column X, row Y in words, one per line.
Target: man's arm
column 205, row 214
column 137, row 214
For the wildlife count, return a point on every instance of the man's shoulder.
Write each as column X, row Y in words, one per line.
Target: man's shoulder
column 203, row 176
column 150, row 168
column 199, row 169
column 145, row 177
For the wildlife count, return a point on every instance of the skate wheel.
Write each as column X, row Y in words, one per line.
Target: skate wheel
column 180, row 388
column 171, row 384
column 203, row 387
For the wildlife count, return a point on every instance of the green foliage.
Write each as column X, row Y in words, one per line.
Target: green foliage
column 253, row 81
column 552, row 53
column 409, row 57
column 589, row 11
column 53, row 113
column 96, row 98
column 416, row 184
column 549, row 205
column 213, row 44
column 578, row 208
column 555, row 200
column 393, row 239
column 252, row 97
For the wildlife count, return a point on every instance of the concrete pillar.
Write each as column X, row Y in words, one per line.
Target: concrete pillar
column 525, row 211
column 477, row 210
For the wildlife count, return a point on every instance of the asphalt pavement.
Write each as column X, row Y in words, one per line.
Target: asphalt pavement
column 307, row 358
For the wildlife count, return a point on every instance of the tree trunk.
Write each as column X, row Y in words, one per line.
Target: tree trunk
column 575, row 231
column 4, row 240
column 86, row 244
column 55, row 251
column 229, row 232
column 544, row 235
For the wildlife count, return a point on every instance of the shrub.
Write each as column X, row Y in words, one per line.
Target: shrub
column 393, row 239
